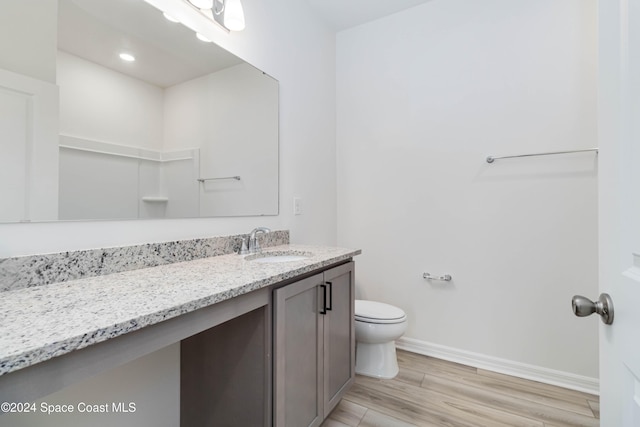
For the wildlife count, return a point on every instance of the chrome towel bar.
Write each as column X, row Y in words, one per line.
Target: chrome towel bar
column 237, row 178
column 491, row 159
column 445, row 278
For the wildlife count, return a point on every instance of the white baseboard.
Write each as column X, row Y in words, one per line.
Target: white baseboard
column 503, row 366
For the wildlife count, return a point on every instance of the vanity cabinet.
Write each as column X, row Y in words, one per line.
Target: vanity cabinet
column 278, row 354
column 314, row 346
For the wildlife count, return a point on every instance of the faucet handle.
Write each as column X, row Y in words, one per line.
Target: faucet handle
column 243, row 249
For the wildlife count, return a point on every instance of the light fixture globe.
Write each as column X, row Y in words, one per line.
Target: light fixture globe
column 202, row 4
column 233, row 15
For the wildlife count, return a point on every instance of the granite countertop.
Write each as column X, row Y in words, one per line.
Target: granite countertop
column 43, row 322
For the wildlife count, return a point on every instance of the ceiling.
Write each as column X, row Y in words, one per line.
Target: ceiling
column 343, row 14
column 167, row 53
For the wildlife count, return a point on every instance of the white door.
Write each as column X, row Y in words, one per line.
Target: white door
column 28, row 148
column 619, row 208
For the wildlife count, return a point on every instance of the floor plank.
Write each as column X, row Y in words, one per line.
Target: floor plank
column 410, row 376
column 348, row 413
column 511, row 404
column 430, row 392
column 422, row 363
column 330, row 422
column 595, row 407
column 395, row 407
column 448, row 407
column 551, row 396
column 538, row 385
column 376, row 419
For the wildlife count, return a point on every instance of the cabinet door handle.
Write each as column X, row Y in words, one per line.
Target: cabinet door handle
column 330, row 295
column 324, row 299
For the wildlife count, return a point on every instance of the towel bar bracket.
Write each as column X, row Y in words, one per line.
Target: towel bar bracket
column 444, row 278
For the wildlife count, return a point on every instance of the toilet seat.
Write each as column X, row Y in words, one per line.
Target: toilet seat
column 378, row 312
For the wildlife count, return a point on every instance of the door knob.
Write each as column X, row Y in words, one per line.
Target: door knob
column 583, row 306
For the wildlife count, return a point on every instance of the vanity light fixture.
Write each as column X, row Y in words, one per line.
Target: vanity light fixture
column 233, row 15
column 202, row 4
column 127, row 57
column 228, row 13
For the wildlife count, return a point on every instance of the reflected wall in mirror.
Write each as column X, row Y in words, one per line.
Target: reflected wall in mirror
column 185, row 130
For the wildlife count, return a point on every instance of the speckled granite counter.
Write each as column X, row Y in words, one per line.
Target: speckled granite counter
column 36, row 270
column 40, row 323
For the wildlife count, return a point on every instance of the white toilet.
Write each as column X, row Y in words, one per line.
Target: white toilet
column 378, row 325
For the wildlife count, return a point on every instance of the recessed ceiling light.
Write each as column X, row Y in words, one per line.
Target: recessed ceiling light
column 203, row 38
column 127, row 57
column 169, row 17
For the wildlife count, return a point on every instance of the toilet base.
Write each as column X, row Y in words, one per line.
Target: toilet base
column 377, row 360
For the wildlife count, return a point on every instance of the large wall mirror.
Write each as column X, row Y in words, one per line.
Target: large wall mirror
column 184, row 130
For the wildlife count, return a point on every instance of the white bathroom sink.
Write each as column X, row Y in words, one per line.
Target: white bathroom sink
column 277, row 257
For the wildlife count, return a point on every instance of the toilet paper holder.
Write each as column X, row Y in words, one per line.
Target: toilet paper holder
column 444, row 278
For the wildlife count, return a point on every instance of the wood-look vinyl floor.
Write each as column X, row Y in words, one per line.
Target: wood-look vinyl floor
column 435, row 393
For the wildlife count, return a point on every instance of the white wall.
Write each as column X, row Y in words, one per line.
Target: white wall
column 104, row 105
column 13, row 154
column 231, row 144
column 99, row 104
column 124, row 115
column 286, row 41
column 97, row 186
column 179, row 182
column 423, row 97
column 130, row 383
column 33, row 24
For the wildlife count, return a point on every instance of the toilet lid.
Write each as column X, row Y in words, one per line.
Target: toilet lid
column 378, row 312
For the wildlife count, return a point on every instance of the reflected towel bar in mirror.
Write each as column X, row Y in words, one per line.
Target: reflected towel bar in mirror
column 491, row 159
column 237, row 178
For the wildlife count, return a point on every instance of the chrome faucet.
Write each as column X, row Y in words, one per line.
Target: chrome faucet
column 254, row 245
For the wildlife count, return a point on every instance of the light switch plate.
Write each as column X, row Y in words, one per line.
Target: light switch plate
column 297, row 206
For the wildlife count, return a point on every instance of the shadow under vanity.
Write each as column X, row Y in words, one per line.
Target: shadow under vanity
column 261, row 344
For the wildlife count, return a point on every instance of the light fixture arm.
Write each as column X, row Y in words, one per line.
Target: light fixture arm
column 227, row 13
column 215, row 7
